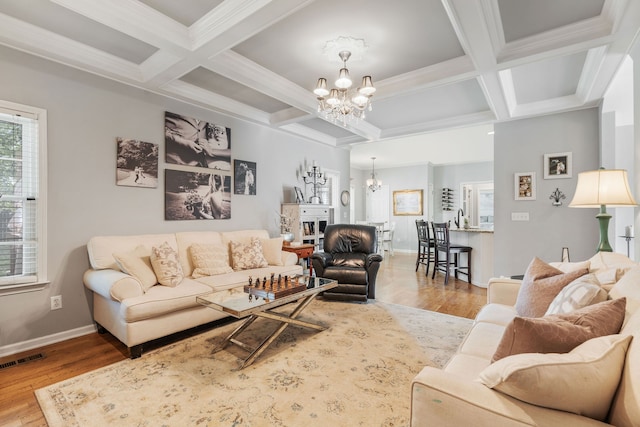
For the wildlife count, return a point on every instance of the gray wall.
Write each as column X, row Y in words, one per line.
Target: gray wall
column 405, row 178
column 85, row 115
column 519, row 147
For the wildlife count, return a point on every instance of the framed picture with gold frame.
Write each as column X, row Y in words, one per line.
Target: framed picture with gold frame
column 407, row 202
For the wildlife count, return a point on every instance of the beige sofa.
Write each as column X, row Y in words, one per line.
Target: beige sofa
column 454, row 396
column 122, row 306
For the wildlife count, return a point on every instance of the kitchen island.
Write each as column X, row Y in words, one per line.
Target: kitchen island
column 481, row 240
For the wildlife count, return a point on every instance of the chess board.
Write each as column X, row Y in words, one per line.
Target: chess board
column 274, row 288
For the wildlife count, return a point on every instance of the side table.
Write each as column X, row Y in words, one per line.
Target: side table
column 303, row 251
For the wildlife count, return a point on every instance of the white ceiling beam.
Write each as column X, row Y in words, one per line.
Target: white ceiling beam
column 221, row 19
column 446, row 123
column 307, row 132
column 601, row 65
column 214, row 101
column 288, row 116
column 135, row 19
column 469, row 21
column 40, row 42
column 451, row 71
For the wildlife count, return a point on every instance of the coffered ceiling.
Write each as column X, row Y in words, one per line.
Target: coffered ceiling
column 437, row 64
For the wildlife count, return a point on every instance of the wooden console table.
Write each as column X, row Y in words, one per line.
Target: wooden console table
column 303, row 251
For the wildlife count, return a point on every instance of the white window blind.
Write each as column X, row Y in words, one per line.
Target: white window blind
column 21, row 215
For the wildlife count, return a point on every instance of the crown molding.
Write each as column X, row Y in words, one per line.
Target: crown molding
column 308, row 133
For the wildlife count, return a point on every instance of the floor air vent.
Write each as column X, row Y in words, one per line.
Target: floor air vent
column 22, row 360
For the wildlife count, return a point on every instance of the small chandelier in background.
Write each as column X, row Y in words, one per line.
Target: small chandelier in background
column 373, row 183
column 341, row 104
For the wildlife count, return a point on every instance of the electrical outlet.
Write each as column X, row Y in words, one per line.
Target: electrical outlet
column 56, row 302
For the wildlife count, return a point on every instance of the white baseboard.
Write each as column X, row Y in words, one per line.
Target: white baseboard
column 10, row 349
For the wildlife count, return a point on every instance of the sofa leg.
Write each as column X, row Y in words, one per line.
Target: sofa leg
column 101, row 329
column 135, row 351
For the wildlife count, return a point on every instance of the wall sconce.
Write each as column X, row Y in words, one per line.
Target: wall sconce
column 556, row 196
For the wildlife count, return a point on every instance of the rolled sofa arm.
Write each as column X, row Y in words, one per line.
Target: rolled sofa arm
column 112, row 284
column 502, row 290
column 443, row 399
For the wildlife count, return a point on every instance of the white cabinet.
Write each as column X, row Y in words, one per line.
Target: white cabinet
column 308, row 221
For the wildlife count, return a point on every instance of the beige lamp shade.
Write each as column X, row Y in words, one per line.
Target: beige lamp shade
column 608, row 187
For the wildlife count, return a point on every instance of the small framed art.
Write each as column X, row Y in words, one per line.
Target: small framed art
column 557, row 165
column 525, row 186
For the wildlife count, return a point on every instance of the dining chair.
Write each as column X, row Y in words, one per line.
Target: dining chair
column 447, row 255
column 426, row 245
column 387, row 236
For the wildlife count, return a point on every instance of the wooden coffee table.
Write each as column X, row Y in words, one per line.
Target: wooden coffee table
column 236, row 303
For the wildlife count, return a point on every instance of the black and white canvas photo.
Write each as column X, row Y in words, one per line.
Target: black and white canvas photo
column 136, row 163
column 244, row 177
column 558, row 165
column 194, row 142
column 196, row 195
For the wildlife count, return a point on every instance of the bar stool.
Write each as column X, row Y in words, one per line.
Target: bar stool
column 443, row 245
column 425, row 245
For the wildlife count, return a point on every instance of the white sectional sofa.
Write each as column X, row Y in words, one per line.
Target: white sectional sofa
column 455, row 396
column 136, row 315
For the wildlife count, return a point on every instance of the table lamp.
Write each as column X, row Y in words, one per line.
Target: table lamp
column 599, row 189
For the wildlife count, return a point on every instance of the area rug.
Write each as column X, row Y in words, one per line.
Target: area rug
column 358, row 372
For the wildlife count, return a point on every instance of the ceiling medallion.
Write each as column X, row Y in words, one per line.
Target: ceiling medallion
column 341, row 104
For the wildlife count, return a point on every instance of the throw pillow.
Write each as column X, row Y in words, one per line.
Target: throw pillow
column 209, row 260
column 272, row 250
column 248, row 256
column 540, row 285
column 164, row 260
column 583, row 291
column 138, row 265
column 568, row 267
column 561, row 333
column 582, row 381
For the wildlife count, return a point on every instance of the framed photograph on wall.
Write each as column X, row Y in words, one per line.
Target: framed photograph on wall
column 194, row 142
column 407, row 202
column 244, row 177
column 136, row 163
column 557, row 165
column 525, row 186
column 196, row 195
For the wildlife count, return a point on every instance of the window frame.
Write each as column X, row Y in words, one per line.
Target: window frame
column 7, row 286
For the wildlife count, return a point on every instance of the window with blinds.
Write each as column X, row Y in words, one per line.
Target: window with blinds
column 22, row 239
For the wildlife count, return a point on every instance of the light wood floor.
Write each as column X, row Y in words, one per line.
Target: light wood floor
column 397, row 282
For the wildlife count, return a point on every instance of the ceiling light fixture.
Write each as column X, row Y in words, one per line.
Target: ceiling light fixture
column 343, row 105
column 373, row 184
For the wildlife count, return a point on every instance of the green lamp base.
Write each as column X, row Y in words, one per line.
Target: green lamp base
column 603, row 218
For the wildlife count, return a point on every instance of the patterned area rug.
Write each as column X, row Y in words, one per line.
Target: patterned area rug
column 356, row 373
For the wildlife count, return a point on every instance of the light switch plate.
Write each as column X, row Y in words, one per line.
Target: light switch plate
column 519, row 216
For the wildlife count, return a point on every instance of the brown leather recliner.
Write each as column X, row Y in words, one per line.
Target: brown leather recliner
column 349, row 257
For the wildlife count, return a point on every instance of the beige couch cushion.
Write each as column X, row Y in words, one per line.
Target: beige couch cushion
column 561, row 333
column 184, row 241
column 209, row 260
column 583, row 381
column 102, row 248
column 166, row 265
column 247, row 256
column 160, row 300
column 272, row 250
column 137, row 264
column 540, row 285
column 583, row 291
